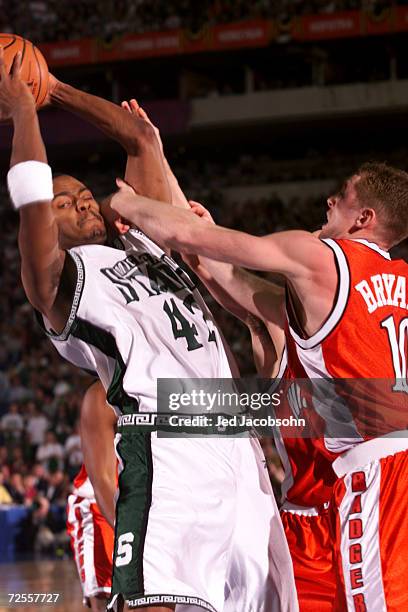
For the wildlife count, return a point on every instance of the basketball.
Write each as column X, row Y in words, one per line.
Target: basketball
column 34, row 69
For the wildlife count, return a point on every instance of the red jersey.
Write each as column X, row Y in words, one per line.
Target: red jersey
column 309, row 476
column 82, row 484
column 357, row 361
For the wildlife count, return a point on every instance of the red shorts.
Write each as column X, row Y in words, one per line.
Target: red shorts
column 311, row 549
column 369, row 518
column 92, row 544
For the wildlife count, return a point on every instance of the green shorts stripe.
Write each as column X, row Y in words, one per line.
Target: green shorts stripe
column 132, row 514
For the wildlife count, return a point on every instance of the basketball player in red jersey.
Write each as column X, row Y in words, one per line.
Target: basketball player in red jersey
column 92, row 536
column 309, row 477
column 347, row 309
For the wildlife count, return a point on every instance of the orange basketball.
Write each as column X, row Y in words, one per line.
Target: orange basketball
column 34, row 69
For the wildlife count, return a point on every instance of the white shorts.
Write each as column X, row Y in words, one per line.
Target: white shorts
column 197, row 525
column 92, row 545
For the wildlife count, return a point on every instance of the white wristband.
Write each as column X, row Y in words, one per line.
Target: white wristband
column 29, row 182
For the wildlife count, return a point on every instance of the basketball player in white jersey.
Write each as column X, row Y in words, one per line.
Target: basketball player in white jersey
column 347, row 305
column 130, row 314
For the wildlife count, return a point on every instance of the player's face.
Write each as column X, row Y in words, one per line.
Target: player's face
column 343, row 210
column 77, row 214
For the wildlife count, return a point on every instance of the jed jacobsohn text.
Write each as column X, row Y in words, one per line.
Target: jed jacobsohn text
column 222, row 399
column 223, row 422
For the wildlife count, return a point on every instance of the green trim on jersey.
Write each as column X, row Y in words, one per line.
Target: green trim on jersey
column 104, row 341
column 132, row 514
column 79, row 287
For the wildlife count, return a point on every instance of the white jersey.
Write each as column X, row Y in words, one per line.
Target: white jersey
column 137, row 316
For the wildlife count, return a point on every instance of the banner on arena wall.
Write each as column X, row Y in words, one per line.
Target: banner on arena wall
column 257, row 33
column 70, row 53
column 245, row 34
column 373, row 23
column 400, row 19
column 326, row 27
column 133, row 46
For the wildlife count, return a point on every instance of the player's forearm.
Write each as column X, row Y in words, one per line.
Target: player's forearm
column 219, row 285
column 41, row 258
column 264, row 351
column 173, row 227
column 27, row 144
column 185, row 232
column 242, row 292
column 146, row 174
column 131, row 132
column 177, row 195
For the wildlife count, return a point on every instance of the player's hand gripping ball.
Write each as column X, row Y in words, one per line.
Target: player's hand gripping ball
column 34, row 69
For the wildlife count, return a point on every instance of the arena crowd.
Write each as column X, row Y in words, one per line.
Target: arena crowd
column 51, row 20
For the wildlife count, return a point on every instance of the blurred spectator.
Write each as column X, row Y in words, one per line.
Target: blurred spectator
column 50, row 454
column 40, row 475
column 30, row 489
column 5, row 497
column 62, row 422
column 43, row 531
column 56, row 491
column 12, row 423
column 37, row 425
column 15, row 487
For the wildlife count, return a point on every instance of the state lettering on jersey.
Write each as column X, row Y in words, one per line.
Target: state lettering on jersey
column 147, row 274
column 383, row 290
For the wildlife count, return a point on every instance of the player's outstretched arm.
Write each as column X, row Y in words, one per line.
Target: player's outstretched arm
column 294, row 254
column 177, row 196
column 97, row 428
column 240, row 292
column 144, row 170
column 42, row 261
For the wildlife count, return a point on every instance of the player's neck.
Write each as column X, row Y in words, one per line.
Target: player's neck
column 369, row 237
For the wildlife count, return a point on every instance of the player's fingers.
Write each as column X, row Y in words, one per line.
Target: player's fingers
column 197, row 206
column 199, row 210
column 16, row 65
column 126, row 106
column 142, row 113
column 124, row 186
column 134, row 105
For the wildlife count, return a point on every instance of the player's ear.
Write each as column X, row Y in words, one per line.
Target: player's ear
column 366, row 217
